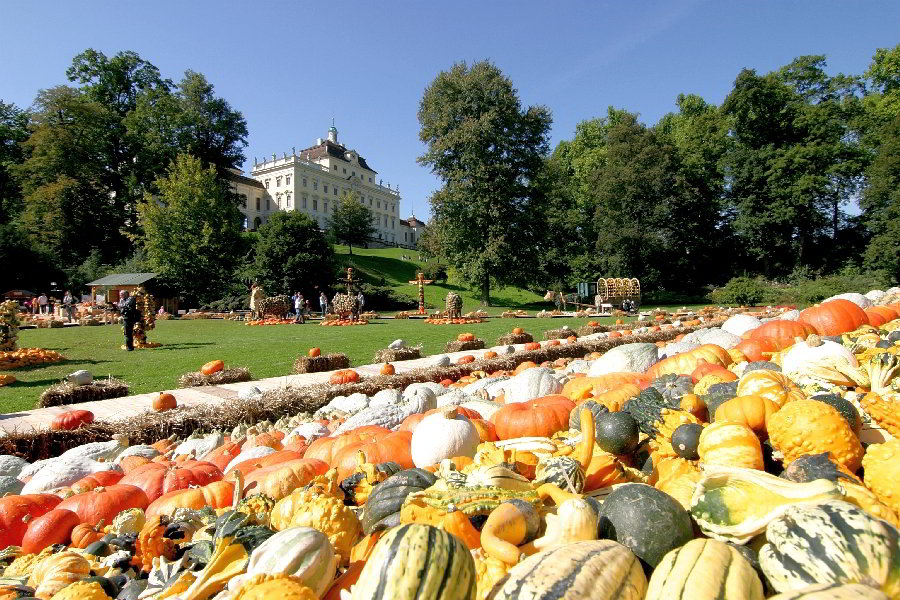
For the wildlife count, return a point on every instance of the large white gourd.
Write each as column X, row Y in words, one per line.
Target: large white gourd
column 443, row 435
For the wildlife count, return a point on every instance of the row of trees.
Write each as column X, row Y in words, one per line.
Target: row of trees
column 797, row 171
column 126, row 170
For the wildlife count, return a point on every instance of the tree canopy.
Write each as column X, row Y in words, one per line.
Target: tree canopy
column 292, row 255
column 351, row 221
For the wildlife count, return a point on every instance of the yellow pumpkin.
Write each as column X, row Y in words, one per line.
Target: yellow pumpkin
column 880, row 463
column 56, row 572
column 81, row 590
column 730, row 444
column 769, row 384
column 752, row 411
column 812, row 427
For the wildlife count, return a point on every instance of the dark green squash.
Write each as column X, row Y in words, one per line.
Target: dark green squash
column 111, row 589
column 762, row 365
column 132, row 589
column 673, row 387
column 686, row 440
column 647, row 409
column 884, row 344
column 382, row 509
column 894, row 336
column 647, row 521
column 229, row 523
column 810, row 467
column 617, row 432
column 349, row 483
column 98, row 548
column 596, row 409
column 563, row 471
column 845, row 407
column 717, row 395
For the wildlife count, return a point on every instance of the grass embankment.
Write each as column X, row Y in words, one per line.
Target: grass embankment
column 388, row 264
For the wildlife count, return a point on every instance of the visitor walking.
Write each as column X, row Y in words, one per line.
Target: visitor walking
column 299, row 305
column 323, row 303
column 128, row 310
column 43, row 304
column 256, row 298
column 360, row 303
column 68, row 303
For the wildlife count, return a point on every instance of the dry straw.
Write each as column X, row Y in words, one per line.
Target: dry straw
column 149, row 427
column 398, row 354
column 317, row 364
column 457, row 346
column 70, row 393
column 558, row 334
column 511, row 339
column 198, row 379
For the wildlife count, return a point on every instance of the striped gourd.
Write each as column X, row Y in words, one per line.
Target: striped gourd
column 833, row 591
column 302, row 552
column 564, row 471
column 591, row 570
column 704, row 570
column 417, row 562
column 834, row 542
column 471, row 500
column 497, row 476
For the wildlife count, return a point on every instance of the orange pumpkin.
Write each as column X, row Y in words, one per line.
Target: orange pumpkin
column 524, row 366
column 489, row 354
column 130, row 463
column 251, row 464
column 53, row 527
column 752, row 411
column 387, row 369
column 884, row 312
column 71, row 419
column 156, row 479
column 85, row 534
column 464, row 360
column 583, row 388
column 486, row 431
column 225, row 453
column 344, row 376
column 95, row 480
column 554, row 343
column 834, row 317
column 773, row 385
column 614, row 399
column 686, row 362
column 165, row 401
column 326, row 448
column 705, row 368
column 104, row 503
column 760, row 348
column 782, row 332
column 212, row 367
column 571, row 339
column 393, row 447
column 518, row 331
column 532, row 346
column 281, row 479
column 539, row 417
column 465, row 337
column 216, row 495
column 314, row 352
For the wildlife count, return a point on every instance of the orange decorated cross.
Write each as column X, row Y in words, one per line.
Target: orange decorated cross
column 421, row 282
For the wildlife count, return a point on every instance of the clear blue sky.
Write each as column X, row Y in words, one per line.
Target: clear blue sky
column 290, row 66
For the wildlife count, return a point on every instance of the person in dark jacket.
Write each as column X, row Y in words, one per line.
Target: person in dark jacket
column 129, row 312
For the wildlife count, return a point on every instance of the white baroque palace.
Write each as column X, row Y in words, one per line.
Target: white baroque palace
column 313, row 180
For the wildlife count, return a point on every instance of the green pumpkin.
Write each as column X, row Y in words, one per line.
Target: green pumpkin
column 416, row 561
column 810, row 467
column 647, row 521
column 382, row 509
column 686, row 440
column 647, row 409
column 673, row 387
column 596, row 409
column 833, row 542
column 845, row 407
column 617, row 432
column 350, row 483
column 708, row 567
column 718, row 394
column 98, row 548
column 563, row 471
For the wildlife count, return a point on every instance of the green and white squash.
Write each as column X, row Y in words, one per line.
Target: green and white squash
column 382, row 509
column 595, row 570
column 497, row 476
column 12, row 466
column 417, row 562
column 303, row 552
column 732, row 504
column 564, row 471
column 834, row 542
column 705, row 570
column 10, row 485
column 833, row 591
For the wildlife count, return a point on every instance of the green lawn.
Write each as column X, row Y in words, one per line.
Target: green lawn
column 268, row 351
column 387, row 263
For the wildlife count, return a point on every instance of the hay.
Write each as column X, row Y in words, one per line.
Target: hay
column 457, row 346
column 514, row 338
column 558, row 334
column 150, row 427
column 391, row 355
column 69, row 393
column 317, row 364
column 198, row 379
column 591, row 330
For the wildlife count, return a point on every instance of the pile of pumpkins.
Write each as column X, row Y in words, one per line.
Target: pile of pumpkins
column 764, row 469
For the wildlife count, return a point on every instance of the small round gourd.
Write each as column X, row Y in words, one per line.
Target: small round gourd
column 686, row 440
column 617, row 432
column 562, row 471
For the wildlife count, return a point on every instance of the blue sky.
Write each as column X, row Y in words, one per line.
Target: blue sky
column 290, row 66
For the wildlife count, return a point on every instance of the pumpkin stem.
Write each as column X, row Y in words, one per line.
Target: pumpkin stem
column 587, row 438
column 238, row 489
column 813, row 340
column 450, row 412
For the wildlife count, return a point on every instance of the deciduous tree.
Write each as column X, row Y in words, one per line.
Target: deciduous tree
column 292, row 254
column 351, row 221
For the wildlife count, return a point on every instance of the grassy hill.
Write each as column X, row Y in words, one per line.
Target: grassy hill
column 386, row 266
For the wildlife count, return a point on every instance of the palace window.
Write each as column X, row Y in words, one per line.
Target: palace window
column 345, row 170
column 354, row 173
column 244, row 200
column 278, row 181
column 392, row 223
column 315, row 184
column 378, row 204
column 335, row 191
column 315, row 204
column 267, row 183
column 325, row 206
column 325, row 188
column 304, row 198
column 288, row 199
column 334, row 167
column 385, row 220
column 304, row 182
column 287, row 180
column 370, row 180
column 268, row 204
column 257, row 204
column 370, row 200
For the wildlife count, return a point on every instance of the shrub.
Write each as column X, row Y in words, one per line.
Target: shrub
column 435, row 271
column 379, row 297
column 740, row 290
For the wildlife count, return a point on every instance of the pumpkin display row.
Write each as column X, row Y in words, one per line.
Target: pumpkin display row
column 648, row 473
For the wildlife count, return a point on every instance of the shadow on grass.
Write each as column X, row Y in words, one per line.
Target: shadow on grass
column 183, row 346
column 66, row 362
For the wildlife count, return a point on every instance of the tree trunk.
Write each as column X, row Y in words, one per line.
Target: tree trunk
column 351, row 248
column 486, row 291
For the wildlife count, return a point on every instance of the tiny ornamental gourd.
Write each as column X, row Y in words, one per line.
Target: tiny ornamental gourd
column 575, row 521
column 730, row 444
column 509, row 526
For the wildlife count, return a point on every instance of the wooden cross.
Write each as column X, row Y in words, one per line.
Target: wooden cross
column 421, row 282
column 349, row 281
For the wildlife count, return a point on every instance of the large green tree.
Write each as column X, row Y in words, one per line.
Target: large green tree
column 351, row 221
column 191, row 230
column 487, row 149
column 13, row 131
column 292, row 255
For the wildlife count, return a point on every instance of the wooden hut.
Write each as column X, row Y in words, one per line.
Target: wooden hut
column 111, row 286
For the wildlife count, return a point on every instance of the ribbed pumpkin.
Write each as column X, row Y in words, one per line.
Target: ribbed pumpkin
column 596, row 570
column 218, row 494
column 103, row 504
column 704, row 570
column 53, row 527
column 834, row 317
column 583, row 388
column 811, row 427
column 17, row 511
column 752, row 411
column 56, row 572
column 833, row 591
column 156, row 479
column 417, row 561
column 82, row 590
column 212, row 367
column 265, row 587
column 782, row 332
column 833, row 542
column 303, row 552
column 760, row 348
column 685, row 362
column 880, row 463
column 281, row 479
column 769, row 384
column 730, row 444
column 539, row 417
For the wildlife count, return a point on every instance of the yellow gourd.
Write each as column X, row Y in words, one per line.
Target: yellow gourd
column 732, row 445
column 880, row 464
column 812, row 427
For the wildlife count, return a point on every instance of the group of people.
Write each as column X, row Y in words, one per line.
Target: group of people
column 43, row 305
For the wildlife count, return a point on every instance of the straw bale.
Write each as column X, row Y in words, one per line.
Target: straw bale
column 198, row 379
column 317, row 364
column 399, row 354
column 511, row 339
column 457, row 346
column 69, row 393
column 558, row 334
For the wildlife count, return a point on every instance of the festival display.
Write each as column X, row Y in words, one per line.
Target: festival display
column 683, row 468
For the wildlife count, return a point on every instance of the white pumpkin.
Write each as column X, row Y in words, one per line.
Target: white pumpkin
column 397, row 344
column 249, row 454
column 303, row 552
column 443, row 435
column 250, row 392
column 435, row 387
column 11, row 465
column 441, row 360
column 531, row 384
column 630, row 358
column 309, row 431
column 420, row 399
column 875, row 295
column 62, row 472
column 740, row 324
column 80, row 377
column 34, row 468
column 349, row 404
column 857, row 299
column 139, row 450
column 199, row 446
column 10, row 485
column 97, row 450
column 819, row 359
column 386, row 398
